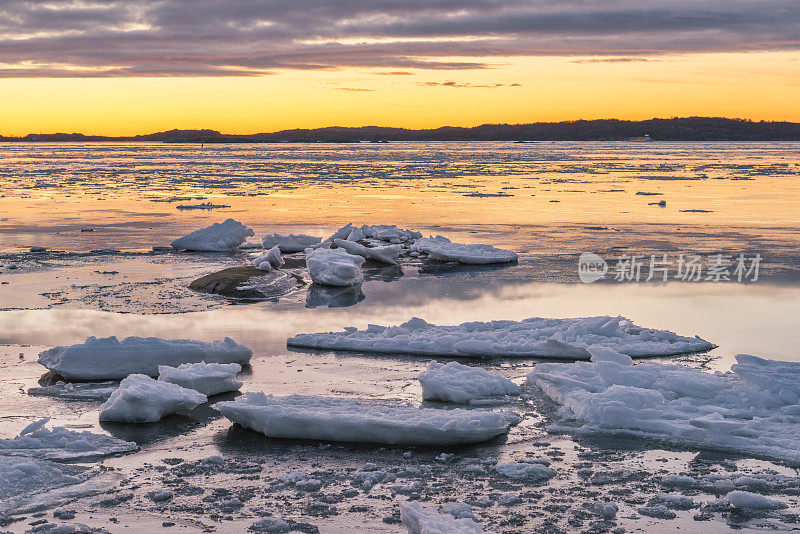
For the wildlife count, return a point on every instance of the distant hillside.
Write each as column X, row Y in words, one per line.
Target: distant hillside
column 676, row 129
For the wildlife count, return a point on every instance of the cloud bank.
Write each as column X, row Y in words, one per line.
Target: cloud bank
column 254, row 37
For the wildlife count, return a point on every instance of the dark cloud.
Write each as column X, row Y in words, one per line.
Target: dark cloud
column 254, row 37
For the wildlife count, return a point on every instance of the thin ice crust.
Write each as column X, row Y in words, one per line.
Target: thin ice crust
column 533, row 337
column 358, row 420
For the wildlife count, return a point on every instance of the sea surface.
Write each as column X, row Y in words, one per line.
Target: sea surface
column 99, row 209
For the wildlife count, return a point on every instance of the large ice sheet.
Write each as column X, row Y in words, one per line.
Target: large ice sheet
column 419, row 520
column 111, row 359
column 62, row 444
column 140, row 399
column 359, row 420
column 453, row 382
column 219, row 237
column 334, row 267
column 207, row 378
column 442, row 249
column 536, row 336
column 753, row 411
column 290, row 243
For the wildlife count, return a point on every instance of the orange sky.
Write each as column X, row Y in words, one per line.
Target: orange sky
column 755, row 85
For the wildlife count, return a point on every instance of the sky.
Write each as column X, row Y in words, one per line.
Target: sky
column 139, row 66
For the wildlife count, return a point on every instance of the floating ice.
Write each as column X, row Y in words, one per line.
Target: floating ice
column 140, row 399
column 442, row 249
column 250, row 245
column 390, row 233
column 219, row 237
column 753, row 410
column 419, row 520
column 533, row 337
column 358, row 420
column 111, row 359
column 290, row 243
column 271, row 259
column 529, row 471
column 207, row 378
column 454, row 382
column 270, row 525
column 20, row 476
column 747, row 500
column 334, row 267
column 62, row 444
column 86, row 391
column 388, row 254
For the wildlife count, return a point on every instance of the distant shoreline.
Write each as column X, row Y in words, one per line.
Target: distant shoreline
column 675, row 129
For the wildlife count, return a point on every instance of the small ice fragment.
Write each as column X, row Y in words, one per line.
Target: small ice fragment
column 334, row 267
column 219, row 237
column 442, row 249
column 140, row 399
column 290, row 243
column 207, row 378
column 419, row 520
column 454, row 382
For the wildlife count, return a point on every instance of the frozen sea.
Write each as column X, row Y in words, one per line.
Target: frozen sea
column 99, row 209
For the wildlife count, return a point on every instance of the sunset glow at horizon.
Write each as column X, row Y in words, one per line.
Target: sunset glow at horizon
column 126, row 68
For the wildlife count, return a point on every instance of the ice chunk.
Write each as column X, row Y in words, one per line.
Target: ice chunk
column 748, row 414
column 20, row 476
column 271, row 259
column 390, row 233
column 454, row 382
column 530, row 471
column 387, row 254
column 442, row 249
column 86, row 391
column 140, row 399
column 419, row 520
column 62, row 444
column 358, row 420
column 219, row 237
column 111, row 359
column 207, row 378
column 247, row 245
column 748, row 500
column 554, row 338
column 270, row 525
column 334, row 267
column 290, row 243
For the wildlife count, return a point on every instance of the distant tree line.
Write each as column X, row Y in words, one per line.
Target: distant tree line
column 675, row 129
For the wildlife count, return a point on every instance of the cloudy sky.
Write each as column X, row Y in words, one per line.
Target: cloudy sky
column 261, row 65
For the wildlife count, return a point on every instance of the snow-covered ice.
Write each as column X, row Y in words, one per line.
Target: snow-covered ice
column 747, row 500
column 454, row 382
column 334, row 267
column 111, row 359
column 752, row 410
column 269, row 260
column 62, row 444
column 390, row 233
column 207, row 378
column 419, row 520
column 553, row 338
column 442, row 249
column 219, row 237
column 387, row 254
column 140, row 399
column 19, row 476
column 359, row 420
column 529, row 471
column 290, row 243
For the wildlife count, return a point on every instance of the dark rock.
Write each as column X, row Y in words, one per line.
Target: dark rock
column 259, row 285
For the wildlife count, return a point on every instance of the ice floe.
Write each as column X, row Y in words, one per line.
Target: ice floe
column 442, row 249
column 387, row 254
column 419, row 520
column 290, row 243
column 62, row 444
column 86, row 391
column 140, row 399
column 359, row 420
column 269, row 260
column 753, row 411
column 453, row 382
column 533, row 337
column 747, row 500
column 111, row 359
column 334, row 267
column 219, row 237
column 207, row 378
column 533, row 471
column 390, row 233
